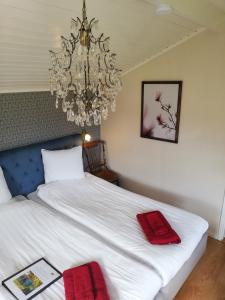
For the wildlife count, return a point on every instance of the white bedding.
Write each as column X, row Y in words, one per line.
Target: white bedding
column 29, row 231
column 110, row 212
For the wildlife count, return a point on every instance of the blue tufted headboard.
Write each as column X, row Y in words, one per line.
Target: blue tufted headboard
column 23, row 167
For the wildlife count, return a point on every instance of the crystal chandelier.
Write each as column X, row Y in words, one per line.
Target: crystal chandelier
column 84, row 75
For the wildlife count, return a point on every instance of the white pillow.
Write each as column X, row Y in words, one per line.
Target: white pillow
column 63, row 164
column 5, row 194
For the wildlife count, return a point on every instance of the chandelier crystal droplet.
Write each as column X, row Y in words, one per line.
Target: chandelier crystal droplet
column 83, row 74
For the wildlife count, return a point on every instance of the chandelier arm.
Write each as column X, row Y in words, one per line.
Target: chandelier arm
column 97, row 89
column 93, row 39
column 75, row 20
column 73, row 45
column 71, row 79
column 99, row 64
column 51, row 52
column 74, row 42
column 79, row 20
column 105, row 39
column 99, row 41
column 110, row 80
column 66, row 42
column 105, row 50
column 92, row 20
column 57, row 61
column 106, row 82
column 102, row 43
column 70, row 61
column 106, row 64
column 75, row 38
column 63, row 38
column 88, row 68
column 55, row 53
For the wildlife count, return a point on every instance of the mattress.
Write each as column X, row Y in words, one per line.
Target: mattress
column 110, row 213
column 29, row 231
column 169, row 291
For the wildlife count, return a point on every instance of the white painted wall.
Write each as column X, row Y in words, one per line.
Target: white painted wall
column 190, row 175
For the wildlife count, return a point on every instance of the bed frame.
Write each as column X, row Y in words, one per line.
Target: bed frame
column 23, row 170
column 172, row 288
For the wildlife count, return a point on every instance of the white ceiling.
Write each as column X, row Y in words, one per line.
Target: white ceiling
column 29, row 28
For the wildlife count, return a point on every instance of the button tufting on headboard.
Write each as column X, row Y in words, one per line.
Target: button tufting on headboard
column 23, row 167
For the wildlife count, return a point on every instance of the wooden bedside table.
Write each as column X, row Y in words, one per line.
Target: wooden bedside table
column 96, row 161
column 107, row 175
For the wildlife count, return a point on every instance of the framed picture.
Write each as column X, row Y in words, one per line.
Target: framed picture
column 160, row 110
column 32, row 280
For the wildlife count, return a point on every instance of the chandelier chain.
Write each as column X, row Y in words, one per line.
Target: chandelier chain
column 84, row 10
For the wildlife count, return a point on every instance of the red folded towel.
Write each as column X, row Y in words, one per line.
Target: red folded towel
column 68, row 285
column 85, row 282
column 156, row 228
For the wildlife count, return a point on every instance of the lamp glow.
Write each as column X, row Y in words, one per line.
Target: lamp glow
column 87, row 137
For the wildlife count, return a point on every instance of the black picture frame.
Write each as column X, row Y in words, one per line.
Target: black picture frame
column 170, row 121
column 42, row 289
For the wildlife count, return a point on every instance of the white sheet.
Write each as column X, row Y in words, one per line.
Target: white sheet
column 111, row 213
column 29, row 231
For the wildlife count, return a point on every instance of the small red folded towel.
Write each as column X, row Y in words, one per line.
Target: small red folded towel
column 156, row 228
column 85, row 282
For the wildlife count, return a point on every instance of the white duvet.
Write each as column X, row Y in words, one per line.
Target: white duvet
column 29, row 231
column 110, row 212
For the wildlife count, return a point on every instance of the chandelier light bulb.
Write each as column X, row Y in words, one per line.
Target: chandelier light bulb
column 83, row 74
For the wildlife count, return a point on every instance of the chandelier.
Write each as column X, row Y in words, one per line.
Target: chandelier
column 83, row 74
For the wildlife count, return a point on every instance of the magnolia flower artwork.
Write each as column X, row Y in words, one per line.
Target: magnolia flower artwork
column 160, row 113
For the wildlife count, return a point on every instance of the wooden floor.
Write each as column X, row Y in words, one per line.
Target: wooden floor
column 207, row 281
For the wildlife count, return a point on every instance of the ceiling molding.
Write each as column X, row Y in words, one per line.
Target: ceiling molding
column 163, row 51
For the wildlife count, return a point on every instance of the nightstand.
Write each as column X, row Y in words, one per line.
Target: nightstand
column 107, row 175
column 95, row 155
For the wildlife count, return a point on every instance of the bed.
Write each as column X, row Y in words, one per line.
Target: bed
column 172, row 264
column 30, row 231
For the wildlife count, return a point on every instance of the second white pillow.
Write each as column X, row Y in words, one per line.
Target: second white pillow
column 63, row 164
